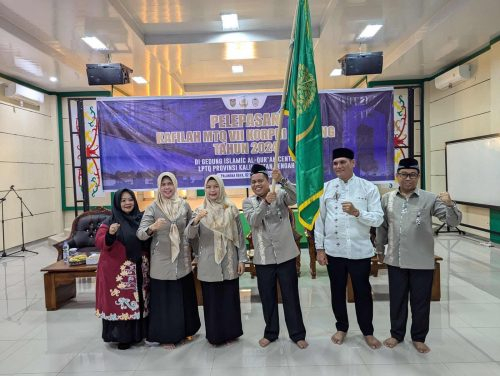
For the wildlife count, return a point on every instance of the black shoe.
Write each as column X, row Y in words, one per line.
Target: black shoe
column 123, row 346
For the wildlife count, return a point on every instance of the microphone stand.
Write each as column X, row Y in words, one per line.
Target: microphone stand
column 3, row 199
column 23, row 248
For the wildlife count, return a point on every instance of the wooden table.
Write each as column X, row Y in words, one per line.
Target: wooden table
column 60, row 282
column 376, row 266
column 312, row 252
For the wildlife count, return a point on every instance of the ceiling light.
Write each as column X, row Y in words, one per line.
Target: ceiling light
column 336, row 72
column 239, row 50
column 53, row 79
column 237, row 68
column 369, row 31
column 94, row 43
column 28, row 66
column 139, row 80
column 229, row 21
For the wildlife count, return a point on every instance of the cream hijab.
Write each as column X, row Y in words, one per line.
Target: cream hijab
column 220, row 219
column 172, row 208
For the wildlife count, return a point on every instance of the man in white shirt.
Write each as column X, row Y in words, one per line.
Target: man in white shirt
column 348, row 208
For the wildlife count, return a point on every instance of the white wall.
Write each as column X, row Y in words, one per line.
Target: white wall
column 470, row 109
column 29, row 160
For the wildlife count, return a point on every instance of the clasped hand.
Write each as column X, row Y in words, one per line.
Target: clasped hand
column 349, row 208
column 113, row 229
column 276, row 174
column 446, row 198
column 201, row 214
column 159, row 223
column 271, row 197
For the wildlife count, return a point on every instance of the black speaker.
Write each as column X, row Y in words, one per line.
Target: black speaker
column 361, row 63
column 108, row 74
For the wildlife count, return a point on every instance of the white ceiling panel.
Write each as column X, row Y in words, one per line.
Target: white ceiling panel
column 180, row 48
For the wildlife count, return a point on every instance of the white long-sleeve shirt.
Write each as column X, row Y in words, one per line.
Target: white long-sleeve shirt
column 341, row 234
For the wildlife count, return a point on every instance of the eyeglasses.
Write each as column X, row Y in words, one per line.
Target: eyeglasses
column 405, row 175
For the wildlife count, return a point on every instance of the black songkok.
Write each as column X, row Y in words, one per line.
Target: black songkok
column 408, row 163
column 342, row 153
column 258, row 169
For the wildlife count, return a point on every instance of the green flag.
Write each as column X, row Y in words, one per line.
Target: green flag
column 304, row 120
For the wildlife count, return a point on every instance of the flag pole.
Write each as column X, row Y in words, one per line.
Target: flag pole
column 283, row 97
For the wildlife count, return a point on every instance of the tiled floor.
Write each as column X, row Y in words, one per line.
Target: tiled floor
column 464, row 336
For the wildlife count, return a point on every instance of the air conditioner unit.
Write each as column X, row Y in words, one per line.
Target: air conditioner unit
column 453, row 77
column 25, row 94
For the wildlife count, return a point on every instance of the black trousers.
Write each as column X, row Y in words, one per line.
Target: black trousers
column 221, row 307
column 418, row 284
column 173, row 313
column 359, row 270
column 286, row 274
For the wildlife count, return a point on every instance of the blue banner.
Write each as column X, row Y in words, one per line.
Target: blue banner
column 194, row 137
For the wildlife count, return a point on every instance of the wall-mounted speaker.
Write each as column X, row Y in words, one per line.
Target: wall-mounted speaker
column 361, row 63
column 108, row 74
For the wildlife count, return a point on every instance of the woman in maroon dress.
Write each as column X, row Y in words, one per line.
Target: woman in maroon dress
column 122, row 274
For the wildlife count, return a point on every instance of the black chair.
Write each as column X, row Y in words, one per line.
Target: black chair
column 83, row 231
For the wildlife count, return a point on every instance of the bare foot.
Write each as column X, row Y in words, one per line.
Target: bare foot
column 373, row 342
column 421, row 347
column 168, row 346
column 302, row 344
column 263, row 342
column 188, row 339
column 338, row 338
column 391, row 342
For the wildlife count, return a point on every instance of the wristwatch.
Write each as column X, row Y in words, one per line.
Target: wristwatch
column 283, row 181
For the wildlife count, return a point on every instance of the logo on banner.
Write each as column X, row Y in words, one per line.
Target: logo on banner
column 244, row 102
